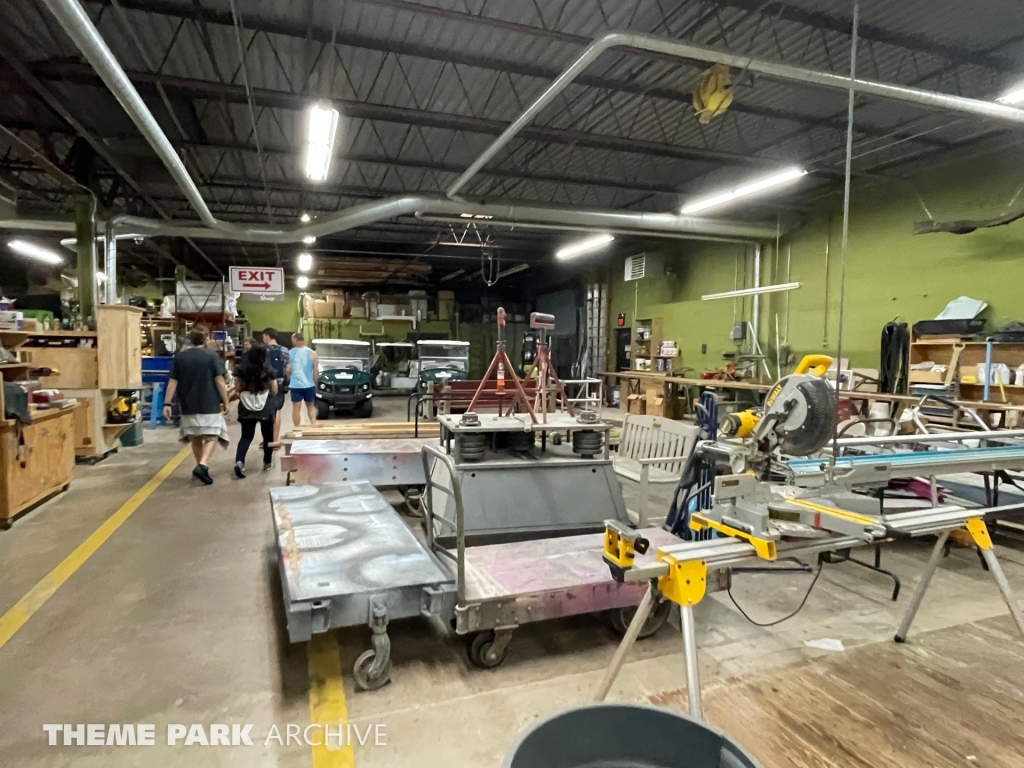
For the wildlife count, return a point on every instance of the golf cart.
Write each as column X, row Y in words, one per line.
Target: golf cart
column 345, row 378
column 398, row 368
column 442, row 360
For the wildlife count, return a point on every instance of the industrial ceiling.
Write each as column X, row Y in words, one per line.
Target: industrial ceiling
column 424, row 87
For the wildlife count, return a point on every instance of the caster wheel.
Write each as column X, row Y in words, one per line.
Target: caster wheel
column 621, row 617
column 481, row 651
column 361, row 672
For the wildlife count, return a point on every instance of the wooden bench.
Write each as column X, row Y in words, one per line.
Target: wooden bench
column 653, row 449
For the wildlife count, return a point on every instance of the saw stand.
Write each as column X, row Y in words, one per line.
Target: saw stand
column 501, row 367
column 543, row 369
column 680, row 574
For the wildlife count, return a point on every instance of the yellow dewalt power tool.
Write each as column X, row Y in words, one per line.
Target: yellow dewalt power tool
column 799, row 412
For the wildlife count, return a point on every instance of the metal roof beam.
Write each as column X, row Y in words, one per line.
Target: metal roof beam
column 783, row 11
column 62, row 70
column 257, row 23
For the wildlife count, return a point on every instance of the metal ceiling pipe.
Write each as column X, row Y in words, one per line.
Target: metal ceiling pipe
column 38, row 225
column 679, row 50
column 83, row 32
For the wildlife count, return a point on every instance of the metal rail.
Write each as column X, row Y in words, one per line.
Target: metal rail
column 460, row 527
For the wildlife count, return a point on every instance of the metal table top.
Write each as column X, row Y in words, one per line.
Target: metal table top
column 520, row 422
column 343, row 539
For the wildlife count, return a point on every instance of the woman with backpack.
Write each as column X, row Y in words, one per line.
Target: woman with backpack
column 256, row 384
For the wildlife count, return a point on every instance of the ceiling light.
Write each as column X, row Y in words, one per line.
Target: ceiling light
column 101, row 277
column 1014, row 96
column 582, row 246
column 309, row 240
column 302, row 282
column 305, row 262
column 304, row 218
column 322, row 125
column 751, row 291
column 744, row 190
column 37, row 252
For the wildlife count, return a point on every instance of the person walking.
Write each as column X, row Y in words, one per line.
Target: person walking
column 303, row 370
column 277, row 356
column 256, row 385
column 197, row 379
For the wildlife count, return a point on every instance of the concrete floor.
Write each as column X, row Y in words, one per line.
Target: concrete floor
column 177, row 619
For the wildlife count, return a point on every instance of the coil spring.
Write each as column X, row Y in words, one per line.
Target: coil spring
column 586, row 442
column 472, row 446
column 520, row 442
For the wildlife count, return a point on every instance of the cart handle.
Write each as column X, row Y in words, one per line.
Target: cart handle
column 460, row 528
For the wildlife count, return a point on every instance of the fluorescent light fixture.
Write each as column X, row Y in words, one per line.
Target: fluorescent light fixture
column 452, row 275
column 302, row 282
column 309, row 240
column 33, row 251
column 1013, row 96
column 751, row 291
column 744, row 190
column 305, row 262
column 322, row 125
column 582, row 246
column 101, row 277
column 304, row 218
column 513, row 270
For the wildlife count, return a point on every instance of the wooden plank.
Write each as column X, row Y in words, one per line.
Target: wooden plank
column 76, row 366
column 366, row 429
column 120, row 347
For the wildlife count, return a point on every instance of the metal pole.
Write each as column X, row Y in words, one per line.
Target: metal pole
column 688, row 625
column 643, row 611
column 846, row 213
column 755, row 314
column 1004, row 587
column 110, row 264
column 85, row 233
column 922, row 587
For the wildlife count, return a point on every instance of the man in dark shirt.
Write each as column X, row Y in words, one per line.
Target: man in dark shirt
column 197, row 378
column 277, row 356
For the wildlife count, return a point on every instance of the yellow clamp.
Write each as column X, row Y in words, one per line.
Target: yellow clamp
column 686, row 580
column 765, row 548
column 618, row 549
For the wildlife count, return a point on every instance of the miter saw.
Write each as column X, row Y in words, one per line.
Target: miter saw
column 797, row 419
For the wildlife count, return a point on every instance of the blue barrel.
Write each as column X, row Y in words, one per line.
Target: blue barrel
column 625, row 736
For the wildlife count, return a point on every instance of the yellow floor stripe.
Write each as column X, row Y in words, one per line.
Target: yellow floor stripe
column 327, row 702
column 34, row 599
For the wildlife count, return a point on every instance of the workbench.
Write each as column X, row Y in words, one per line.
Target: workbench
column 36, row 460
column 637, row 382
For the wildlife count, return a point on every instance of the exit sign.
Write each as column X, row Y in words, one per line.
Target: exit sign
column 257, row 280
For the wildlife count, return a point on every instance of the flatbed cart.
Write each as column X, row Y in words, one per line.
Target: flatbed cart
column 502, row 586
column 347, row 559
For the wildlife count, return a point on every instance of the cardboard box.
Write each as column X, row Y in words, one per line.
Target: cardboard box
column 323, row 308
column 655, row 403
column 636, row 404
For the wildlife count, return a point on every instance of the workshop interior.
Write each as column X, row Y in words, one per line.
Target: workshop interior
column 467, row 383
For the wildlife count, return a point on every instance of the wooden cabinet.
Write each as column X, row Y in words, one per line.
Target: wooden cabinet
column 647, row 338
column 119, row 340
column 36, row 460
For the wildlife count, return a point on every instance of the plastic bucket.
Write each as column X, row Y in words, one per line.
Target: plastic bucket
column 624, row 736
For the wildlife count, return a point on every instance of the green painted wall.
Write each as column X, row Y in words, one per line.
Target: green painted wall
column 890, row 273
column 282, row 315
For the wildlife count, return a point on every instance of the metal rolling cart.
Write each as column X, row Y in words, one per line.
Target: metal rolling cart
column 347, row 559
column 516, row 570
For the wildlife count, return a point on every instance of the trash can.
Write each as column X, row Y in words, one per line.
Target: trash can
column 624, row 736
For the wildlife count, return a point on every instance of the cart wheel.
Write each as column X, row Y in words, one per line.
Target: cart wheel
column 480, row 651
column 621, row 617
column 361, row 672
column 323, row 410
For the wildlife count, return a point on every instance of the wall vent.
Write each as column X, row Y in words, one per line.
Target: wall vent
column 636, row 267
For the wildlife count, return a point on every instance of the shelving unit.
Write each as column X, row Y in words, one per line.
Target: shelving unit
column 647, row 337
column 99, row 363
